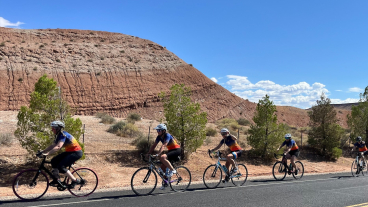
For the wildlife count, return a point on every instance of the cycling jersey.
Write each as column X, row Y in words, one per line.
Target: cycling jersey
column 70, row 143
column 232, row 144
column 361, row 146
column 291, row 144
column 170, row 140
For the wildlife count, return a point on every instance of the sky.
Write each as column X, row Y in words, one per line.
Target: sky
column 291, row 50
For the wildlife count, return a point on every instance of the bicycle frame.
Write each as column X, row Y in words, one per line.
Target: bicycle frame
column 152, row 167
column 218, row 164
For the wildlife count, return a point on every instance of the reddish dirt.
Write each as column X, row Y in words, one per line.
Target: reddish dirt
column 115, row 159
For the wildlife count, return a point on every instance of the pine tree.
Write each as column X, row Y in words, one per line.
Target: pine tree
column 46, row 105
column 184, row 118
column 358, row 120
column 265, row 136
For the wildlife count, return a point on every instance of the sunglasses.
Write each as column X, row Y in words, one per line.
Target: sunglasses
column 224, row 133
column 159, row 130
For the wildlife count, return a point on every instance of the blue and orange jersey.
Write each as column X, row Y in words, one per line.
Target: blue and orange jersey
column 232, row 144
column 291, row 144
column 70, row 143
column 362, row 147
column 170, row 140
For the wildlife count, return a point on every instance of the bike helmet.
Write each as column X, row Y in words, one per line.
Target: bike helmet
column 287, row 136
column 57, row 124
column 161, row 127
column 224, row 130
column 358, row 139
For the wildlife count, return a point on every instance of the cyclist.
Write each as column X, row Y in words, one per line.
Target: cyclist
column 291, row 151
column 60, row 162
column 360, row 144
column 172, row 146
column 236, row 151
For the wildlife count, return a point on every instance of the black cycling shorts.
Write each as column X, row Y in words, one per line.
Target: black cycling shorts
column 173, row 155
column 65, row 159
column 237, row 153
column 294, row 152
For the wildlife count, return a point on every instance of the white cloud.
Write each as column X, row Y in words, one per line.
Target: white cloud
column 302, row 95
column 355, row 89
column 339, row 90
column 349, row 100
column 214, row 79
column 6, row 23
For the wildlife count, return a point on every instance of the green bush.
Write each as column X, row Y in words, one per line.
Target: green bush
column 142, row 144
column 230, row 124
column 133, row 117
column 336, row 153
column 130, row 130
column 119, row 126
column 210, row 132
column 243, row 122
column 6, row 139
column 107, row 119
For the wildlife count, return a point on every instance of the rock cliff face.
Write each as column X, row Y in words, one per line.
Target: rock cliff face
column 111, row 72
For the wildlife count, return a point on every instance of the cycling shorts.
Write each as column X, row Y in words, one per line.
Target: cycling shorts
column 172, row 155
column 294, row 152
column 237, row 153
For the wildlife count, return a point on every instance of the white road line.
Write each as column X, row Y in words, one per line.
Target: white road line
column 59, row 204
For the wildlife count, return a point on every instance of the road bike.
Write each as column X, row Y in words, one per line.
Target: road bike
column 280, row 168
column 359, row 165
column 32, row 184
column 212, row 176
column 144, row 180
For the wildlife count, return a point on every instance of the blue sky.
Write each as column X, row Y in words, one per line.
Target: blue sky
column 291, row 50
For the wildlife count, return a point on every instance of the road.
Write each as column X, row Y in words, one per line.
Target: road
column 339, row 189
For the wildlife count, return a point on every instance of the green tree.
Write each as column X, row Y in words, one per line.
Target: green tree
column 46, row 105
column 265, row 135
column 184, row 118
column 324, row 134
column 358, row 120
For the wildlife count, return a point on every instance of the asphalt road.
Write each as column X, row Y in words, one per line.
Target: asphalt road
column 314, row 190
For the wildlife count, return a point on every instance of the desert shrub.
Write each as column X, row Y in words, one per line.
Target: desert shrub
column 336, row 153
column 90, row 60
column 208, row 141
column 57, row 60
column 129, row 130
column 2, row 44
column 35, row 68
column 230, row 124
column 107, row 119
column 122, row 51
column 210, row 132
column 118, row 126
column 142, row 144
column 100, row 114
column 243, row 122
column 20, row 79
column 133, row 117
column 1, row 58
column 6, row 139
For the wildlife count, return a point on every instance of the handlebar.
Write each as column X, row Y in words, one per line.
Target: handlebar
column 218, row 153
column 278, row 155
column 150, row 156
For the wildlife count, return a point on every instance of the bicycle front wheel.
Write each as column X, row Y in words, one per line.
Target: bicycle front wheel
column 240, row 177
column 355, row 169
column 300, row 170
column 180, row 181
column 279, row 171
column 144, row 181
column 30, row 184
column 88, row 179
column 212, row 176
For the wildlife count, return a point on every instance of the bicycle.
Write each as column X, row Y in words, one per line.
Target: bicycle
column 359, row 165
column 280, row 168
column 212, row 176
column 32, row 184
column 144, row 180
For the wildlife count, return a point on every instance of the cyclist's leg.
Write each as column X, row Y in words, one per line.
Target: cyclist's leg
column 68, row 160
column 165, row 162
column 230, row 160
column 54, row 164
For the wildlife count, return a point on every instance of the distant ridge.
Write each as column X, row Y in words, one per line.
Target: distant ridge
column 346, row 106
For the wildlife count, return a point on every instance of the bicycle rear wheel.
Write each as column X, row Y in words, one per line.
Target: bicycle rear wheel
column 240, row 176
column 89, row 182
column 30, row 184
column 300, row 167
column 212, row 176
column 144, row 181
column 279, row 171
column 180, row 181
column 355, row 169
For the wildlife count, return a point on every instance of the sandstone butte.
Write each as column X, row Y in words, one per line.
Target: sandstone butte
column 115, row 73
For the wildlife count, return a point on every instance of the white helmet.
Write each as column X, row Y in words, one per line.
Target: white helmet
column 224, row 130
column 161, row 127
column 57, row 124
column 287, row 136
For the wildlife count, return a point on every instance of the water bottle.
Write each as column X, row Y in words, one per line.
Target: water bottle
column 290, row 166
column 160, row 171
column 361, row 163
column 225, row 168
column 167, row 171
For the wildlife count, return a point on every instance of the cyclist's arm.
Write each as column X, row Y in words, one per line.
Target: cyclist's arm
column 152, row 148
column 280, row 147
column 233, row 137
column 56, row 148
column 48, row 148
column 216, row 148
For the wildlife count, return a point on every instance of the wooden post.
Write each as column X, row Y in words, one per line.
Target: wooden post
column 238, row 135
column 149, row 131
column 84, row 127
column 301, row 135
